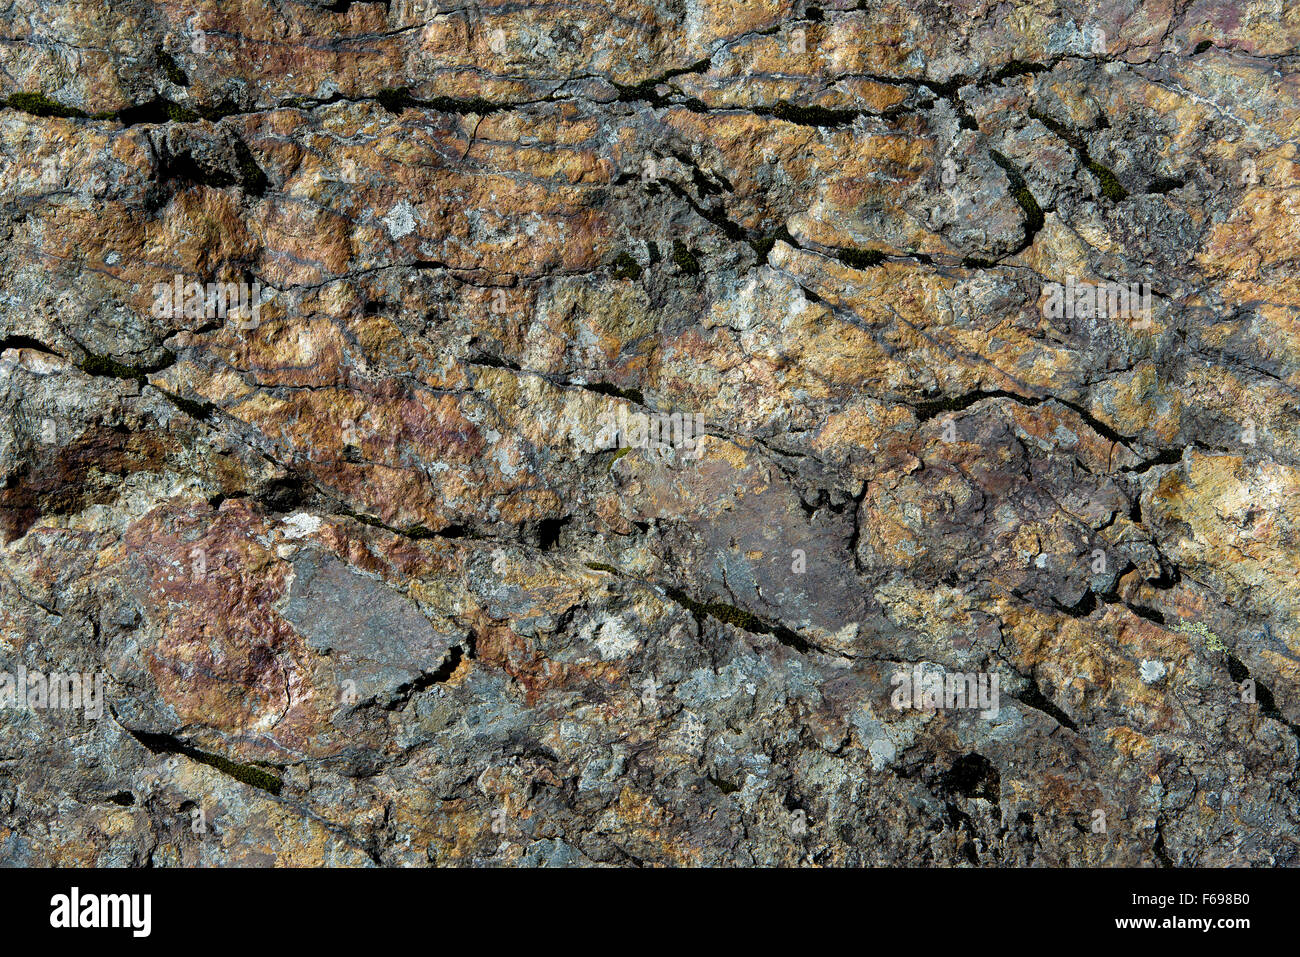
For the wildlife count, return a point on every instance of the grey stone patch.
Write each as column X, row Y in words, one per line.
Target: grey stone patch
column 552, row 853
column 378, row 637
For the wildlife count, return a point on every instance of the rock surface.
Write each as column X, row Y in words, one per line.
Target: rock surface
column 363, row 574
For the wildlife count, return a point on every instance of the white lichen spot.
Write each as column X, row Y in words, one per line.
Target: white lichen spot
column 846, row 636
column 300, row 525
column 1152, row 671
column 615, row 641
column 400, row 220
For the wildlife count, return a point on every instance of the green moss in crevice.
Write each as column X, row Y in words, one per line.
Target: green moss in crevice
column 645, row 90
column 975, row 262
column 219, row 111
column 685, row 259
column 447, row 104
column 604, row 388
column 109, row 367
column 106, row 365
column 163, row 110
column 169, row 67
column 397, row 99
column 860, row 258
column 625, row 267
column 948, row 89
column 252, row 179
column 601, row 567
column 38, row 104
column 1165, row 184
column 738, row 618
column 249, row 774
column 179, row 114
column 195, row 410
column 394, row 99
column 812, row 115
column 1110, row 185
column 1238, row 672
column 763, row 245
column 732, row 615
column 1018, row 68
column 1020, row 191
column 726, row 787
column 153, row 111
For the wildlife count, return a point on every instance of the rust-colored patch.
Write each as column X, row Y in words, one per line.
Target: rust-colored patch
column 89, row 471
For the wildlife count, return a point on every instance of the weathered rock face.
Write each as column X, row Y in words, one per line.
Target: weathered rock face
column 332, row 333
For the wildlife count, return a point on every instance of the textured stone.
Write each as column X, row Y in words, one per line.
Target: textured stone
column 365, row 578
